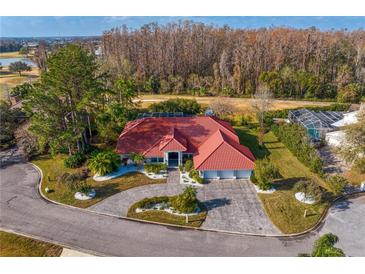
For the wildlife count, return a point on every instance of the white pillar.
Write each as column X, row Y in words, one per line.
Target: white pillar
column 180, row 158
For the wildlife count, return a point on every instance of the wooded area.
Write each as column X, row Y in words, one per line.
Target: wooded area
column 194, row 58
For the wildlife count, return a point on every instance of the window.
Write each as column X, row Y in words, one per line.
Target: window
column 156, row 160
column 186, row 156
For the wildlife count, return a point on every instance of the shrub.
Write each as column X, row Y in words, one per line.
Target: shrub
column 186, row 202
column 155, row 168
column 74, row 161
column 137, row 158
column 73, row 181
column 188, row 165
column 265, row 172
column 310, row 190
column 324, row 247
column 104, row 162
column 147, row 202
column 296, row 140
column 360, row 164
column 337, row 184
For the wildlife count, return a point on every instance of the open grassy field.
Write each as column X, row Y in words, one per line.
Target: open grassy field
column 12, row 54
column 242, row 105
column 53, row 168
column 9, row 79
column 283, row 209
column 12, row 245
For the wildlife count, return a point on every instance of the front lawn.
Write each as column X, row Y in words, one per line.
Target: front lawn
column 167, row 218
column 12, row 245
column 53, row 168
column 283, row 209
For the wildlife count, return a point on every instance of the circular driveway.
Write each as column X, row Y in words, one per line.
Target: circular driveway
column 23, row 210
column 232, row 205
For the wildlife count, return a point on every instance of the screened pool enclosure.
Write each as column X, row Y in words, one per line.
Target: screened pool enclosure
column 317, row 123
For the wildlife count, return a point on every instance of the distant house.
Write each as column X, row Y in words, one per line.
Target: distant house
column 210, row 143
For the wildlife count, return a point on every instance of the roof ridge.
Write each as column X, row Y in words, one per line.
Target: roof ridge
column 173, row 138
column 158, row 141
column 214, row 119
column 129, row 129
column 226, row 141
column 210, row 154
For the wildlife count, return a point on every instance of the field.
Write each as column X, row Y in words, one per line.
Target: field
column 12, row 54
column 53, row 168
column 9, row 79
column 12, row 245
column 283, row 209
column 242, row 105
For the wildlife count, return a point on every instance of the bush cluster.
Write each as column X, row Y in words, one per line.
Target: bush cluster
column 324, row 247
column 74, row 181
column 75, row 160
column 188, row 106
column 337, row 184
column 185, row 202
column 264, row 174
column 155, row 168
column 104, row 162
column 147, row 202
column 296, row 140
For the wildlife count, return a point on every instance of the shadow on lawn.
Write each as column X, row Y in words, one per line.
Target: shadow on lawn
column 106, row 190
column 288, row 184
column 250, row 140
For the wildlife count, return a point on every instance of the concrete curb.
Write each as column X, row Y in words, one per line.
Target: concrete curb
column 293, row 235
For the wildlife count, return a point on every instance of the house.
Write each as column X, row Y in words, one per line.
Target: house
column 209, row 142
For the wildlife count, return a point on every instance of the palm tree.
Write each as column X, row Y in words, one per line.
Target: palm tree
column 104, row 162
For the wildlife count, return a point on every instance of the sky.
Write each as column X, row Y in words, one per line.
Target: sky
column 95, row 25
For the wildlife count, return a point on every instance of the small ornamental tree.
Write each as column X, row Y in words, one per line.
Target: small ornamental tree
column 19, row 67
column 104, row 162
column 324, row 247
column 188, row 165
column 310, row 190
column 21, row 90
column 186, row 202
column 265, row 173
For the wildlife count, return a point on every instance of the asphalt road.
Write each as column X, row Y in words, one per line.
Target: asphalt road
column 23, row 210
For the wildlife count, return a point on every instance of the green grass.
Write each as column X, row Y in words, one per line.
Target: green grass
column 167, row 218
column 283, row 209
column 12, row 245
column 53, row 168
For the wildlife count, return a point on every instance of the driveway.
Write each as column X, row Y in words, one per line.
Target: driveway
column 23, row 210
column 233, row 205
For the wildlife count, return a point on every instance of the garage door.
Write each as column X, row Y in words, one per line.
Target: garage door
column 243, row 174
column 210, row 174
column 226, row 174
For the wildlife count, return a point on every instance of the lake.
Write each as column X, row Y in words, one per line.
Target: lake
column 7, row 61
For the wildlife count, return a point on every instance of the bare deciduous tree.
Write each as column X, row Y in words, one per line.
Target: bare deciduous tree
column 222, row 107
column 261, row 103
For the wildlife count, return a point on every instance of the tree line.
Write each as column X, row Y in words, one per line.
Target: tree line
column 195, row 58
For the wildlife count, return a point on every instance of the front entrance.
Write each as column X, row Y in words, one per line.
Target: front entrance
column 173, row 159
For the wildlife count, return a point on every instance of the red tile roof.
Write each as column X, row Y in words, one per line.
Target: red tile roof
column 208, row 138
column 221, row 152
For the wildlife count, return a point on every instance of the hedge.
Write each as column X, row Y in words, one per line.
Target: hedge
column 295, row 138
